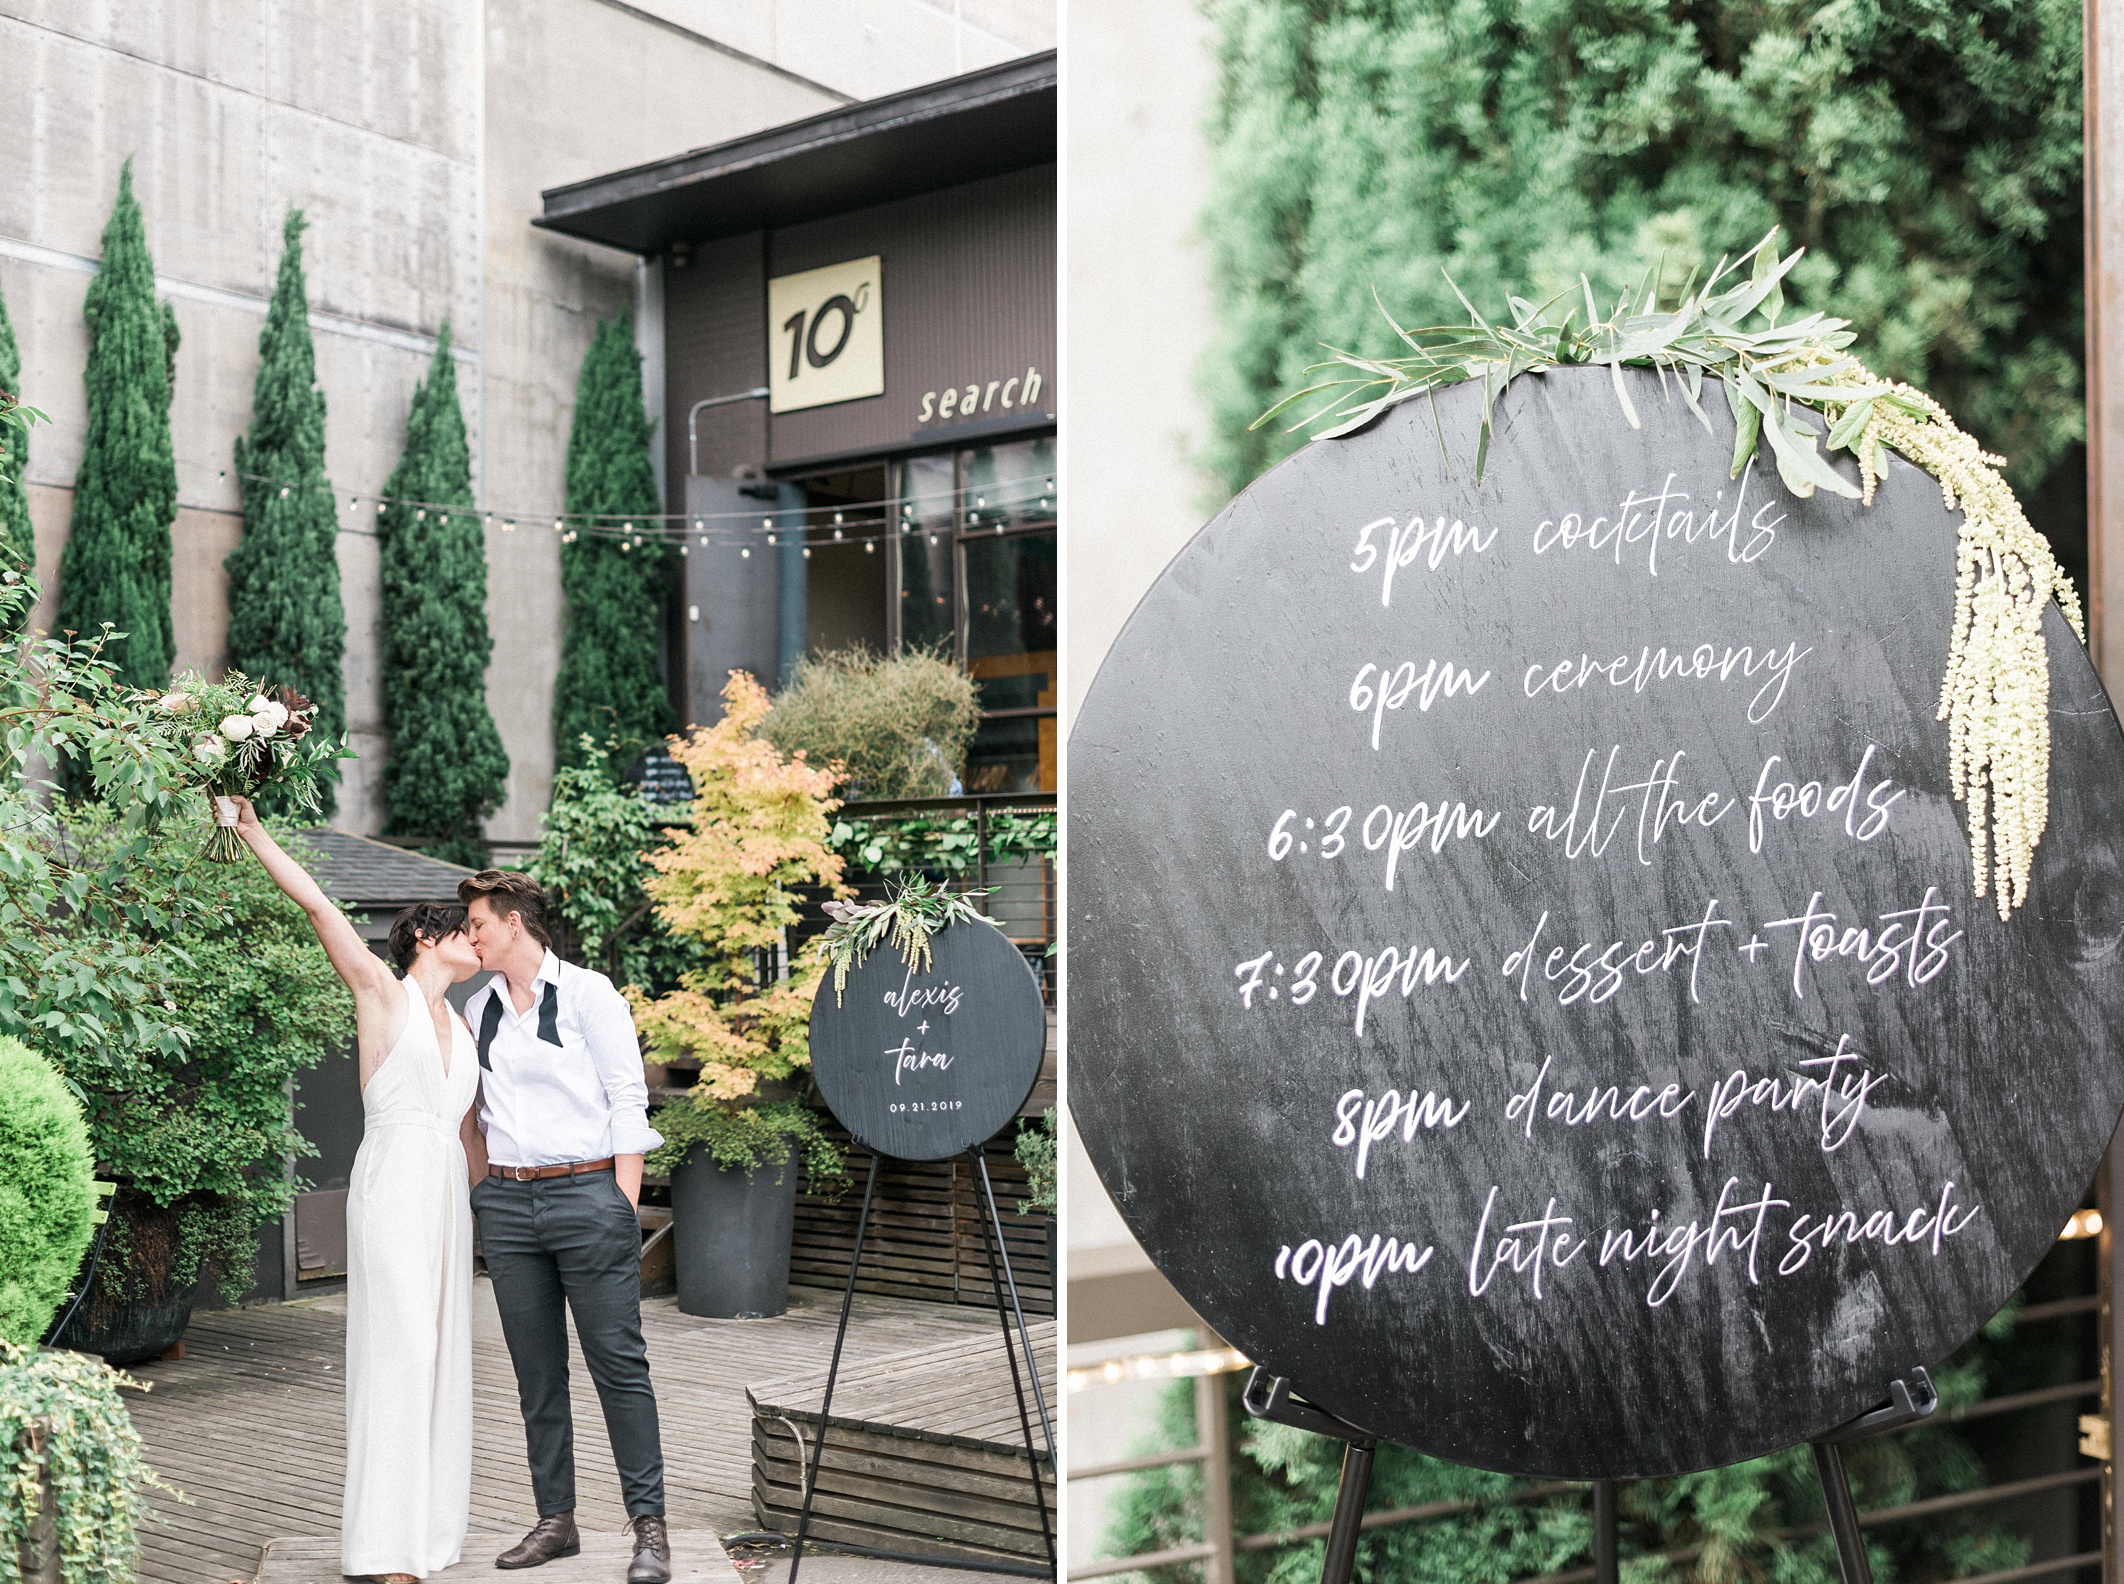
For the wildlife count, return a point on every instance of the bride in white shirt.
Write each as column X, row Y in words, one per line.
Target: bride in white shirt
column 409, row 1232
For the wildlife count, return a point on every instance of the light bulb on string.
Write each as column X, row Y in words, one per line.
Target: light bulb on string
column 870, row 547
column 421, row 515
column 807, row 552
column 283, row 492
column 557, row 528
column 745, row 551
column 837, row 518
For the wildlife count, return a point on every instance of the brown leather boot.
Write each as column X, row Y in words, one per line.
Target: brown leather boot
column 652, row 1552
column 549, row 1538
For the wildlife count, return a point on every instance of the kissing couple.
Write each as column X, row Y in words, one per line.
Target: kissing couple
column 530, row 1113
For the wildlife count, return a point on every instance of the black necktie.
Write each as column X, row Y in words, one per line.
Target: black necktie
column 548, row 1020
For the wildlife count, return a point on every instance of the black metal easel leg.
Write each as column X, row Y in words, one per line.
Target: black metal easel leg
column 1843, row 1513
column 1269, row 1397
column 1348, row 1524
column 1605, row 1564
column 992, row 1239
column 1910, row 1398
column 833, row 1370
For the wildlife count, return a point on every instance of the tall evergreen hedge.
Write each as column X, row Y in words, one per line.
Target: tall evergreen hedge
column 1925, row 152
column 116, row 566
column 447, row 768
column 610, row 686
column 18, row 542
column 286, row 624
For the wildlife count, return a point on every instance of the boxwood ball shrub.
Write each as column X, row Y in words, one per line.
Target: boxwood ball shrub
column 47, row 1192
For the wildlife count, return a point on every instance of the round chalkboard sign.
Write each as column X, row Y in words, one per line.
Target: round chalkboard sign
column 1529, row 988
column 925, row 1064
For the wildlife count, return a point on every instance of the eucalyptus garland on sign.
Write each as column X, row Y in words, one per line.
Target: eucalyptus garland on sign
column 1995, row 695
column 908, row 917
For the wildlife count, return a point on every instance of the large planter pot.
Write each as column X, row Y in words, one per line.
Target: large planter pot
column 128, row 1331
column 732, row 1231
column 134, row 1310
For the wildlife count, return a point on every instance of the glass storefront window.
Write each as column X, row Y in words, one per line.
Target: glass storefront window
column 927, row 520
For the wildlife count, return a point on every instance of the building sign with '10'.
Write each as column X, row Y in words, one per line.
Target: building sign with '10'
column 825, row 336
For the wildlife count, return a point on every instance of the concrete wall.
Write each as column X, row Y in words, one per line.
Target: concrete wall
column 417, row 136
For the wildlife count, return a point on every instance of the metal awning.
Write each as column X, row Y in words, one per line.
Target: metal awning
column 986, row 123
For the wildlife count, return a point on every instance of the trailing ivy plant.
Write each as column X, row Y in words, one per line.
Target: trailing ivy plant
column 735, row 884
column 912, row 912
column 942, row 845
column 1777, row 376
column 61, row 1421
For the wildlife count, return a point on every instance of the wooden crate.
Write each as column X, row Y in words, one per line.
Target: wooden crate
column 925, row 1232
column 924, row 1453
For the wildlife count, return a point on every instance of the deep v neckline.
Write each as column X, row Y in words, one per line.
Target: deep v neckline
column 427, row 1007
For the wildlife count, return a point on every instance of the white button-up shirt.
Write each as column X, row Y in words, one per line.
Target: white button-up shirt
column 584, row 1099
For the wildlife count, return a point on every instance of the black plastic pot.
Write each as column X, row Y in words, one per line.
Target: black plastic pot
column 128, row 1332
column 731, row 1232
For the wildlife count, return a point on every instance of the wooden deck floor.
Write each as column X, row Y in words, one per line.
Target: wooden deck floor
column 250, row 1424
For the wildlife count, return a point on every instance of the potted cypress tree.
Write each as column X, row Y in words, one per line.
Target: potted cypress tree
column 734, row 885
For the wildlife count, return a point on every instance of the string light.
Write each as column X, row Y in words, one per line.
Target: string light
column 1159, row 1366
column 2084, row 1224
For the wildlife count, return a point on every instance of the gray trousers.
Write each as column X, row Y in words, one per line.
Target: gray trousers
column 573, row 1240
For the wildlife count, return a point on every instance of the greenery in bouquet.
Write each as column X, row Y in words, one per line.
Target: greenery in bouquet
column 243, row 740
column 595, row 850
column 735, row 884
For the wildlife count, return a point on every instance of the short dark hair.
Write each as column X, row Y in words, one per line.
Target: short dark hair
column 429, row 921
column 510, row 891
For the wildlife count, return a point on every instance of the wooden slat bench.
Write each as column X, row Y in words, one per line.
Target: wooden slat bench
column 924, row 1452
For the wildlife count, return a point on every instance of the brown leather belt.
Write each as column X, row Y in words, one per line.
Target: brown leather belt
column 540, row 1173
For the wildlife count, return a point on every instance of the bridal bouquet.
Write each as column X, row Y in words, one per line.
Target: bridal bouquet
column 245, row 739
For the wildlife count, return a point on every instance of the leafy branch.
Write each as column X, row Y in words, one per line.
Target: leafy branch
column 1790, row 386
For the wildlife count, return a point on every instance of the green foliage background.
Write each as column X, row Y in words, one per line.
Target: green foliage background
column 200, row 1126
column 1925, row 152
column 611, row 687
column 1731, row 1522
column 447, row 768
column 18, row 542
column 593, row 859
column 116, row 566
column 287, row 627
column 47, row 1192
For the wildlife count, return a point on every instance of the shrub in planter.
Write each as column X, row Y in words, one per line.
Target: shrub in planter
column 196, row 1130
column 733, row 885
column 72, row 1479
column 47, row 1192
column 899, row 724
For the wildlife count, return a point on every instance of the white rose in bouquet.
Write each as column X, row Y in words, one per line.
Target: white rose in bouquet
column 210, row 750
column 257, row 706
column 236, row 727
column 263, row 724
column 175, row 704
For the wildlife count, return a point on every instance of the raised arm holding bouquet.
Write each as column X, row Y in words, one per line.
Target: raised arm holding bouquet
column 244, row 740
